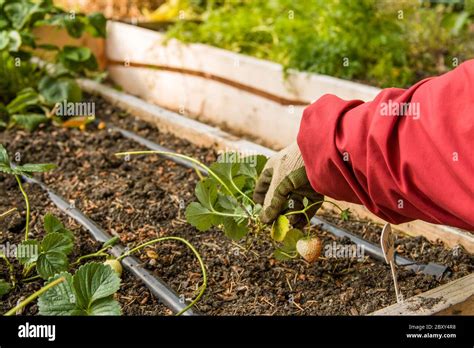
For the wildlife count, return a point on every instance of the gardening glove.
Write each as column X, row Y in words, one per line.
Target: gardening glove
column 282, row 187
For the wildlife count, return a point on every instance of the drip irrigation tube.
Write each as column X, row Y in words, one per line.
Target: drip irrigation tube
column 157, row 286
column 370, row 248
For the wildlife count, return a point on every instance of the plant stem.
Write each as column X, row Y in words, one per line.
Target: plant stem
column 28, row 269
column 98, row 253
column 11, row 271
column 27, row 202
column 8, row 212
column 310, row 206
column 31, row 278
column 33, row 296
column 196, row 253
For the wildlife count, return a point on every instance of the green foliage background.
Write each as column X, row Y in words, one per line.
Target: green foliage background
column 387, row 43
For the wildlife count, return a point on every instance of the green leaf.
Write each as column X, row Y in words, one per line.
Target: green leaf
column 105, row 306
column 281, row 255
column 27, row 252
column 305, row 202
column 74, row 26
column 5, row 287
column 291, row 238
column 57, row 242
column 228, row 173
column 94, row 281
column 59, row 300
column 280, row 228
column 206, row 193
column 6, row 169
column 36, row 168
column 227, row 203
column 18, row 13
column 26, row 97
column 345, row 214
column 29, row 121
column 51, row 263
column 57, row 90
column 51, row 223
column 234, row 230
column 97, row 25
column 15, row 41
column 4, row 40
column 4, row 159
column 77, row 58
column 252, row 166
column 200, row 217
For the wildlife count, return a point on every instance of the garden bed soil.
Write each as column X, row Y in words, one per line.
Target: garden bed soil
column 134, row 297
column 144, row 198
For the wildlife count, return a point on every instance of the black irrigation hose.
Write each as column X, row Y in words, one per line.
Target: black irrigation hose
column 370, row 248
column 157, row 286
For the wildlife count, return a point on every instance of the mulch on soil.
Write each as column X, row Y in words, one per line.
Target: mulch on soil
column 134, row 297
column 144, row 198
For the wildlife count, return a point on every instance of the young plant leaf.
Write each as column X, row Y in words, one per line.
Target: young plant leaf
column 94, row 281
column 89, row 292
column 51, row 263
column 59, row 300
column 5, row 287
column 280, row 228
column 292, row 237
column 51, row 223
column 26, row 97
column 4, row 159
column 29, row 121
column 206, row 193
column 233, row 229
column 282, row 255
column 345, row 214
column 56, row 90
column 56, row 242
column 35, row 168
column 104, row 306
column 200, row 217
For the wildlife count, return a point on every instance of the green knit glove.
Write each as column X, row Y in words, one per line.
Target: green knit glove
column 282, row 187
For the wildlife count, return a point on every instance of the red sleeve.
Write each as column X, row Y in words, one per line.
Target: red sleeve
column 408, row 154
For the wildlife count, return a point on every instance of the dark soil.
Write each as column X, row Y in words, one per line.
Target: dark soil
column 144, row 198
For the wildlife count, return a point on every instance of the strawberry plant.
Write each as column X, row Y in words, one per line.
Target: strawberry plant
column 90, row 290
column 29, row 91
column 22, row 170
column 224, row 201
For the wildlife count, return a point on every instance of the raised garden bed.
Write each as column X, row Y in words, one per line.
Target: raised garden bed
column 143, row 198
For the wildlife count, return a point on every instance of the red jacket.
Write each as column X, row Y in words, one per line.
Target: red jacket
column 408, row 154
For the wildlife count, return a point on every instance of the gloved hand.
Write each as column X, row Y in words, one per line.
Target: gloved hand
column 282, row 186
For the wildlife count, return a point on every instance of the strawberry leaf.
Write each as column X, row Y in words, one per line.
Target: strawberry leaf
column 5, row 287
column 92, row 282
column 280, row 228
column 201, row 217
column 51, row 263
